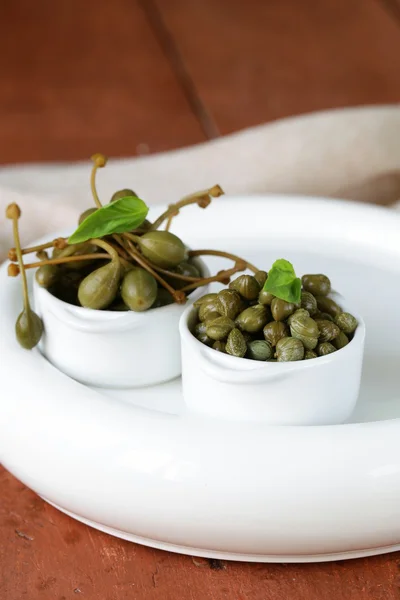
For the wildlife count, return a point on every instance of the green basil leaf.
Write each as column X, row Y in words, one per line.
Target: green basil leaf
column 282, row 281
column 122, row 215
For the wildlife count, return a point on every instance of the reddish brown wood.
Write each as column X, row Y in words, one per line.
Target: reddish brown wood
column 45, row 555
column 77, row 77
column 259, row 60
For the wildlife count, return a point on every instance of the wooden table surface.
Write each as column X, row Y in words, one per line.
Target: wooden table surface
column 136, row 76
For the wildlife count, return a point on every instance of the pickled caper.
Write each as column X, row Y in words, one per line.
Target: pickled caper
column 328, row 305
column 229, row 303
column 100, row 287
column 289, row 349
column 247, row 286
column 253, row 319
column 318, row 285
column 274, row 331
column 281, row 309
column 139, row 290
column 328, row 331
column 259, row 350
column 47, row 275
column 235, row 344
column 162, row 248
column 219, row 328
column 122, row 194
column 346, row 322
column 325, row 348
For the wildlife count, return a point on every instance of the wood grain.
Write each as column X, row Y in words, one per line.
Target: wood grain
column 255, row 61
column 82, row 77
column 45, row 555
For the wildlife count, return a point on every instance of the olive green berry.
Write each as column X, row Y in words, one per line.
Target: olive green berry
column 219, row 328
column 247, row 286
column 235, row 344
column 346, row 322
column 325, row 348
column 289, row 349
column 340, row 341
column 229, row 303
column 328, row 331
column 281, row 309
column 308, row 302
column 275, row 331
column 259, row 350
column 139, row 290
column 305, row 329
column 318, row 285
column 253, row 319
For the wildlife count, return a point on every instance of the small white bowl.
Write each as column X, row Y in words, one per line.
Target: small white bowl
column 112, row 349
column 319, row 391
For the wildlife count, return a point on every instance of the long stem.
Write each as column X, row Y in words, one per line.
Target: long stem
column 176, row 294
column 201, row 198
column 174, row 275
column 107, row 247
column 66, row 259
column 224, row 255
column 221, row 276
column 21, row 265
column 59, row 243
column 99, row 161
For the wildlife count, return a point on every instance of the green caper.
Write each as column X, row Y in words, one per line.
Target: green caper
column 322, row 316
column 47, row 275
column 100, row 287
column 328, row 331
column 200, row 331
column 297, row 313
column 164, row 298
column 208, row 311
column 275, row 331
column 229, row 303
column 139, row 290
column 28, row 329
column 305, row 329
column 235, row 344
column 219, row 328
column 184, row 268
column 122, row 194
column 253, row 319
column 247, row 286
column 325, row 348
column 162, row 248
column 259, row 350
column 203, row 299
column 219, row 346
column 289, row 349
column 328, row 305
column 261, row 277
column 346, row 322
column 309, row 302
column 318, row 285
column 85, row 214
column 265, row 297
column 310, row 354
column 281, row 309
column 340, row 341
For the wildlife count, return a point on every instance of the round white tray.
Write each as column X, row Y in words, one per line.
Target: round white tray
column 135, row 464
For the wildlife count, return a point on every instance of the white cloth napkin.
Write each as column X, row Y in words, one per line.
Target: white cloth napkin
column 350, row 153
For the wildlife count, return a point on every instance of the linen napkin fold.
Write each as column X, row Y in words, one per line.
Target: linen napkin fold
column 348, row 153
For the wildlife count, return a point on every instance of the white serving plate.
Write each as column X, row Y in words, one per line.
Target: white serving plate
column 136, row 464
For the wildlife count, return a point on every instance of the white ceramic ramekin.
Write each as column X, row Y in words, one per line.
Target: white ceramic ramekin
column 319, row 391
column 112, row 349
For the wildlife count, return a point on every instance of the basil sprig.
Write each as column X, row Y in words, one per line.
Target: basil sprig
column 120, row 216
column 282, row 281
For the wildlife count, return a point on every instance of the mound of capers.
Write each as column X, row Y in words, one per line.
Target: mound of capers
column 246, row 321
